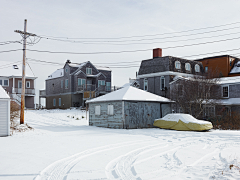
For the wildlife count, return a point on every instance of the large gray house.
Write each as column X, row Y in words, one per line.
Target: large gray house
column 155, row 74
column 73, row 84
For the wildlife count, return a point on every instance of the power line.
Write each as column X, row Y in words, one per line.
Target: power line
column 45, row 36
column 136, row 40
column 11, row 50
column 113, row 52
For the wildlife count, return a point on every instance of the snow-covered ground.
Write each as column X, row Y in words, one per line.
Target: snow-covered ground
column 61, row 147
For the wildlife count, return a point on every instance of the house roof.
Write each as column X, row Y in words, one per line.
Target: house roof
column 56, row 74
column 129, row 94
column 229, row 80
column 236, row 67
column 230, row 101
column 10, row 71
column 3, row 93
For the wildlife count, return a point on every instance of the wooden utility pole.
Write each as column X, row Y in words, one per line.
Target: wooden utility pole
column 25, row 36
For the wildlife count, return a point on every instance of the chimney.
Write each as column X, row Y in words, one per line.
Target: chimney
column 68, row 61
column 157, row 52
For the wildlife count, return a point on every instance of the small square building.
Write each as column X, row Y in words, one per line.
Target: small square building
column 4, row 113
column 127, row 108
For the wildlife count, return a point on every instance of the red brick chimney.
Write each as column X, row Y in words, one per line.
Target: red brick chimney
column 157, row 52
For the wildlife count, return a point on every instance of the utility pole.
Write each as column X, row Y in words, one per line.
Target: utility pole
column 25, row 35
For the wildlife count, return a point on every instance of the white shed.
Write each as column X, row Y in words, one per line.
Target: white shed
column 4, row 113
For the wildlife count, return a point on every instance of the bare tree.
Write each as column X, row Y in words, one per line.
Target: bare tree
column 196, row 95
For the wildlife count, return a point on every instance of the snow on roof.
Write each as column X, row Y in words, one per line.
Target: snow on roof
column 236, row 68
column 103, row 68
column 229, row 80
column 56, row 74
column 126, row 85
column 3, row 93
column 186, row 118
column 131, row 94
column 16, row 71
column 230, row 101
column 77, row 65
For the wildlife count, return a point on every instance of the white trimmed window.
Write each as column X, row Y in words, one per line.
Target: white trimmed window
column 101, row 82
column 187, row 67
column 145, row 85
column 59, row 102
column 66, row 83
column 97, row 110
column 88, row 70
column 54, row 102
column 20, row 84
column 81, row 82
column 177, row 65
column 162, row 83
column 110, row 110
column 225, row 91
column 197, row 68
column 27, row 84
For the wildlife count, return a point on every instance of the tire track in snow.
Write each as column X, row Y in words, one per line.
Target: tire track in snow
column 123, row 166
column 59, row 169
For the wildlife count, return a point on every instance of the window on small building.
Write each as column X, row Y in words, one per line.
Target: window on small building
column 5, row 82
column 225, row 91
column 66, row 83
column 110, row 109
column 101, row 82
column 162, row 83
column 61, row 83
column 145, row 85
column 59, row 101
column 97, row 110
column 177, row 65
column 0, row 82
column 28, row 84
column 180, row 89
column 88, row 70
column 197, row 68
column 187, row 67
column 54, row 102
column 206, row 69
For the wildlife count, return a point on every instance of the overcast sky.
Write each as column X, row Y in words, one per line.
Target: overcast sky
column 116, row 19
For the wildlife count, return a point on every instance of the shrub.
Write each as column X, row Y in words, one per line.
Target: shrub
column 227, row 122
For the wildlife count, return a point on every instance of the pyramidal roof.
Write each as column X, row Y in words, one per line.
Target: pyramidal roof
column 129, row 94
column 3, row 93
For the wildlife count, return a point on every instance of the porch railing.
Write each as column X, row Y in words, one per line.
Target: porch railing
column 27, row 91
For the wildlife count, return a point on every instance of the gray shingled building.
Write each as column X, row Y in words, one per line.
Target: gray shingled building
column 155, row 74
column 73, row 84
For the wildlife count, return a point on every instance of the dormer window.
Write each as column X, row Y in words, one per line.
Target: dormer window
column 15, row 67
column 197, row 68
column 187, row 67
column 177, row 65
column 88, row 70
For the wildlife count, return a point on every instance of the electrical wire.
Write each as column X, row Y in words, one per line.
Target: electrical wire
column 145, row 35
column 11, row 50
column 137, row 40
column 171, row 47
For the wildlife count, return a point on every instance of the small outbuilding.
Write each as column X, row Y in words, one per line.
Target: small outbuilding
column 4, row 113
column 127, row 108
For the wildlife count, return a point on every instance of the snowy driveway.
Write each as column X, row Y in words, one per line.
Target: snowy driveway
column 62, row 147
